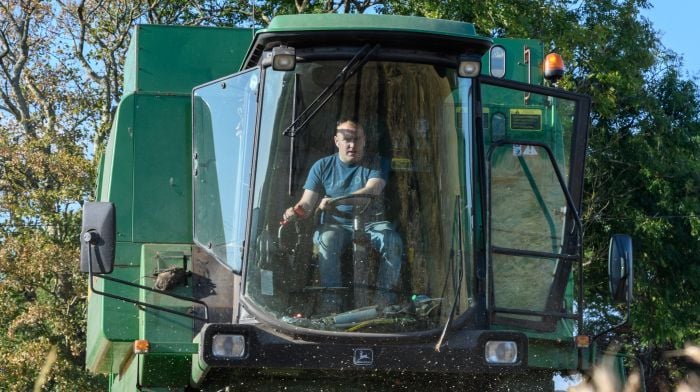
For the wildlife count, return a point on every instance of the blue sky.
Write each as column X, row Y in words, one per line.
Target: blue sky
column 678, row 26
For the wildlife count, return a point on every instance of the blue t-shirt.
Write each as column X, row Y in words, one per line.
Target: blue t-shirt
column 332, row 177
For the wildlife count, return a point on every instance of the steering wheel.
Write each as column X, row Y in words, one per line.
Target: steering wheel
column 359, row 209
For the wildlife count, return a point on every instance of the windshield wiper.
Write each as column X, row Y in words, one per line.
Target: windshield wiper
column 352, row 66
column 291, row 138
column 460, row 258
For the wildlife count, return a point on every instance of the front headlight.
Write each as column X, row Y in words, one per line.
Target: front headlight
column 501, row 352
column 228, row 346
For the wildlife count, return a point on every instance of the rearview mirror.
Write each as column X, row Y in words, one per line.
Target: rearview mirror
column 97, row 238
column 620, row 268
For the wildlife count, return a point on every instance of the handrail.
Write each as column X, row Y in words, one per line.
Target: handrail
column 145, row 304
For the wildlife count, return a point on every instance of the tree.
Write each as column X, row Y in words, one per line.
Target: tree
column 642, row 179
column 652, row 194
column 44, row 174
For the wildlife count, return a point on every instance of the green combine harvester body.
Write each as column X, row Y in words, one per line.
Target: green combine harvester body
column 196, row 283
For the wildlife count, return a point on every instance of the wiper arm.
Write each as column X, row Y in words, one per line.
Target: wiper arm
column 352, row 66
column 291, row 139
column 448, row 323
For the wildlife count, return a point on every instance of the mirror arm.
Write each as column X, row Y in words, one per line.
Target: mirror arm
column 624, row 322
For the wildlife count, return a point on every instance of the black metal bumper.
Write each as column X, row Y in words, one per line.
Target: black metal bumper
column 463, row 353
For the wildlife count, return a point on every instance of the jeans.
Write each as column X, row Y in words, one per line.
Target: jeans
column 333, row 239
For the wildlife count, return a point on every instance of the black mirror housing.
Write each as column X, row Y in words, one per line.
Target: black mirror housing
column 98, row 238
column 620, row 274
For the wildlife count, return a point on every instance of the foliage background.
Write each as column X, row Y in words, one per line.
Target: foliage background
column 61, row 78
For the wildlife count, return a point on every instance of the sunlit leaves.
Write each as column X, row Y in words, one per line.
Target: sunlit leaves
column 43, row 304
column 20, row 366
column 48, row 113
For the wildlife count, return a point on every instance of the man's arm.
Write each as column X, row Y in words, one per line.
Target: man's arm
column 374, row 186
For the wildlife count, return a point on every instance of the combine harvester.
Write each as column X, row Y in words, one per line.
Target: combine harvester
column 197, row 282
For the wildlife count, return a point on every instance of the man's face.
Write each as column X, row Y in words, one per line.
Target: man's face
column 350, row 140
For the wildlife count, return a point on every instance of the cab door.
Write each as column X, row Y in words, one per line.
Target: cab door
column 534, row 142
column 224, row 118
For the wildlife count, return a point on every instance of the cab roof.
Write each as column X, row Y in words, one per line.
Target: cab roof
column 404, row 32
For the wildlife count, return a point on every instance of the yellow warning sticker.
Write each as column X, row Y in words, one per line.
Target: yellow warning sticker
column 526, row 119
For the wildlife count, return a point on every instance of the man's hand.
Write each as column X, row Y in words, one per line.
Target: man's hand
column 293, row 213
column 308, row 199
column 288, row 214
column 324, row 203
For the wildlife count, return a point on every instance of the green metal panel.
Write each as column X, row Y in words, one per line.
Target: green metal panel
column 147, row 163
column 117, row 176
column 161, row 328
column 162, row 203
column 147, row 170
column 451, row 38
column 151, row 373
column 155, row 325
column 552, row 354
column 165, row 370
column 131, row 64
column 100, row 174
column 113, row 324
column 350, row 22
column 516, row 67
column 174, row 59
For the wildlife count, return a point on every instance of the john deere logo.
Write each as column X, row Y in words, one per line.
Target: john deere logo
column 363, row 356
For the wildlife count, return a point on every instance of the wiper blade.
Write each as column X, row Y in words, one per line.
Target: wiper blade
column 352, row 66
column 448, row 323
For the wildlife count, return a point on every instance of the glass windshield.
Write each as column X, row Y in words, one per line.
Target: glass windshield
column 387, row 260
